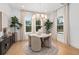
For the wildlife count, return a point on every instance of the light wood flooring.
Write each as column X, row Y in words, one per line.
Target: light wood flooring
column 16, row 49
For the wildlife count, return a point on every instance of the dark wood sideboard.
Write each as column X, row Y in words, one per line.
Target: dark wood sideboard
column 6, row 43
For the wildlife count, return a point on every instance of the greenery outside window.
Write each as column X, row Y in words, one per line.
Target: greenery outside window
column 28, row 26
column 60, row 22
column 38, row 25
column 28, row 22
column 33, row 21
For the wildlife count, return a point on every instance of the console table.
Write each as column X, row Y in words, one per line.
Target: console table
column 6, row 43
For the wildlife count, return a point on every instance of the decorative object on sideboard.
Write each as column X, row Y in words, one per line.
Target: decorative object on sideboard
column 48, row 25
column 4, row 31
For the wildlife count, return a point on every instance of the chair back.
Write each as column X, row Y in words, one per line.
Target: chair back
column 35, row 43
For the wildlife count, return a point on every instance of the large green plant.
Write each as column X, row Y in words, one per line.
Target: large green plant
column 48, row 25
column 15, row 23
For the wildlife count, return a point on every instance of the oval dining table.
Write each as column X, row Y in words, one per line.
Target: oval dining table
column 44, row 37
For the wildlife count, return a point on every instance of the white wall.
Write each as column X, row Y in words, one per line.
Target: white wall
column 16, row 12
column 6, row 14
column 74, row 24
column 60, row 12
column 53, row 19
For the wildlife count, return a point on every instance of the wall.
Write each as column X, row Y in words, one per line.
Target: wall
column 0, row 21
column 16, row 12
column 6, row 14
column 53, row 19
column 74, row 24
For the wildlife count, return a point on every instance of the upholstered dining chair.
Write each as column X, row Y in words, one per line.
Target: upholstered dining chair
column 35, row 43
column 47, row 42
column 29, row 39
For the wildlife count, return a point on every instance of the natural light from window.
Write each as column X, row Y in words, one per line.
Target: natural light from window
column 34, row 22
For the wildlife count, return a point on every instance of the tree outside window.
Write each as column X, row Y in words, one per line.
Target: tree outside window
column 28, row 19
column 38, row 25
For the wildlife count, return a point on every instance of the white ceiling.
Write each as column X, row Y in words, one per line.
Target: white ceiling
column 37, row 7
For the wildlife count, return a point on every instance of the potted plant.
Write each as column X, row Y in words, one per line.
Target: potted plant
column 48, row 25
column 15, row 23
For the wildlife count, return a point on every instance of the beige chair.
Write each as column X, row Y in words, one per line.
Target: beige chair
column 29, row 39
column 35, row 43
column 47, row 42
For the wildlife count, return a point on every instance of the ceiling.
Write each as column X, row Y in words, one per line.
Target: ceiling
column 37, row 7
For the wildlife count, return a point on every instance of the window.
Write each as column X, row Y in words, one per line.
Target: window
column 28, row 19
column 33, row 21
column 60, row 22
column 38, row 25
column 28, row 26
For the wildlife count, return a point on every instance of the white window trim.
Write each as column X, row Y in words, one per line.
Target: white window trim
column 33, row 25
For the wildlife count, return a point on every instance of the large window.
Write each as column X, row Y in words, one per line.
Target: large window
column 34, row 21
column 28, row 19
column 60, row 22
column 28, row 25
column 38, row 25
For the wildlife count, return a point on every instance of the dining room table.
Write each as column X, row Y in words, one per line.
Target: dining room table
column 44, row 39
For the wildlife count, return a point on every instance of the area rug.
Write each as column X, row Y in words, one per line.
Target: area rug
column 44, row 51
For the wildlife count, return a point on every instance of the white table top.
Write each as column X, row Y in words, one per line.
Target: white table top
column 41, row 35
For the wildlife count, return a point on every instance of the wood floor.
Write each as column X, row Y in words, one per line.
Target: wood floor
column 17, row 49
column 65, row 49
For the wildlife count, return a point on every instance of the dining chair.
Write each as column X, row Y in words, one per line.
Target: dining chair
column 35, row 43
column 29, row 39
column 48, row 41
